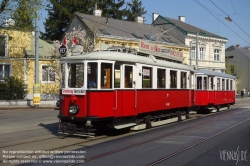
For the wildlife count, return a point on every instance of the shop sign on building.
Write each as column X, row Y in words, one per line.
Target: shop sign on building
column 155, row 49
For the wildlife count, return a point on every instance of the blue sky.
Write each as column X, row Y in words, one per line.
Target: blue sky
column 205, row 14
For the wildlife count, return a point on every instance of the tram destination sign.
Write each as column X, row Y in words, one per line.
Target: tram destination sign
column 73, row 91
column 155, row 49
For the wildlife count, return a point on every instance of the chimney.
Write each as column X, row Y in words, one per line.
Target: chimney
column 154, row 16
column 238, row 45
column 139, row 19
column 182, row 18
column 97, row 12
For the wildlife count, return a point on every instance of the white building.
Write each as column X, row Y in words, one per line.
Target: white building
column 211, row 47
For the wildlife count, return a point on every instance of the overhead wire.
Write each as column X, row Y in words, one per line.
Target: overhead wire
column 232, row 20
column 222, row 22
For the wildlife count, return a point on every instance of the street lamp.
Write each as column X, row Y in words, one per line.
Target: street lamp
column 228, row 19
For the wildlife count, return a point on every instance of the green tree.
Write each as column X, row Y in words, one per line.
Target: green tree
column 135, row 9
column 23, row 15
column 12, row 89
column 61, row 12
column 233, row 70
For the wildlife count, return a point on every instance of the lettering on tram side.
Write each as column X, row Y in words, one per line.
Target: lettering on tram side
column 231, row 155
column 74, row 91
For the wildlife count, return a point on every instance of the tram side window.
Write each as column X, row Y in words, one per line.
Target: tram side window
column 205, row 83
column 62, row 76
column 117, row 75
column 227, row 88
column 211, row 83
column 173, row 79
column 231, row 84
column 161, row 74
column 76, row 75
column 146, row 77
column 128, row 77
column 199, row 82
column 218, row 83
column 223, row 84
column 92, row 75
column 106, row 75
column 184, row 80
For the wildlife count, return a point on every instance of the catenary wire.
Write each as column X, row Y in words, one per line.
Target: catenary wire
column 222, row 22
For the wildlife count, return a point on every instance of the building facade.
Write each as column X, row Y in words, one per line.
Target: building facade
column 108, row 32
column 17, row 59
column 211, row 47
column 238, row 64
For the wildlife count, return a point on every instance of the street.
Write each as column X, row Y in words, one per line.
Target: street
column 222, row 138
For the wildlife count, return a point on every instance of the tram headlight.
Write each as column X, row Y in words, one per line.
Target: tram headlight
column 73, row 109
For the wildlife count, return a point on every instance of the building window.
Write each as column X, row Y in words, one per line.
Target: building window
column 3, row 46
column 216, row 55
column 48, row 73
column 5, row 71
column 137, row 36
column 169, row 40
column 193, row 53
column 202, row 53
column 104, row 31
column 149, row 37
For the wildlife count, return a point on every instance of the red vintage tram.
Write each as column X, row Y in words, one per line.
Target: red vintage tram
column 122, row 90
column 214, row 90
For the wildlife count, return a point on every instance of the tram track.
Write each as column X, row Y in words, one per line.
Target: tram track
column 195, row 144
column 99, row 138
column 154, row 139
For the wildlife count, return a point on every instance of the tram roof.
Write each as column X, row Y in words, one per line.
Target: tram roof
column 214, row 73
column 125, row 57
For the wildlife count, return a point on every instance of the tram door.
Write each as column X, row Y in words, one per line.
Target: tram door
column 125, row 92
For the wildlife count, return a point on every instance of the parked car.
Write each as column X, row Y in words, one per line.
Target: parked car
column 58, row 103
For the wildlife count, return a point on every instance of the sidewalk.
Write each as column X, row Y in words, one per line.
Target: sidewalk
column 26, row 104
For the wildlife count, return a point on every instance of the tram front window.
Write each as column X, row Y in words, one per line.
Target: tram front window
column 92, row 75
column 76, row 75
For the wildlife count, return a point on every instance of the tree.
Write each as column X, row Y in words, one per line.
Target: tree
column 61, row 12
column 135, row 9
column 76, row 37
column 23, row 15
column 22, row 12
column 60, row 15
column 232, row 70
column 12, row 89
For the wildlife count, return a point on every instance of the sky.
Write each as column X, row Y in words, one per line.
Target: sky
column 208, row 15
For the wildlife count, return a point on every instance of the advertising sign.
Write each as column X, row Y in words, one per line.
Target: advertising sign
column 36, row 94
column 155, row 49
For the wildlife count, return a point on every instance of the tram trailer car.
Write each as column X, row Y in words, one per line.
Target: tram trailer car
column 213, row 90
column 122, row 90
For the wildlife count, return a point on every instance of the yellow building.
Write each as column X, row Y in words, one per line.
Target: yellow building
column 17, row 59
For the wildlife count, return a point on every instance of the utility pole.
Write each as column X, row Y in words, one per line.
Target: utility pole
column 36, row 88
column 197, row 53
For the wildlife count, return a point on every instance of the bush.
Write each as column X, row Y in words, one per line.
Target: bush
column 12, row 89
